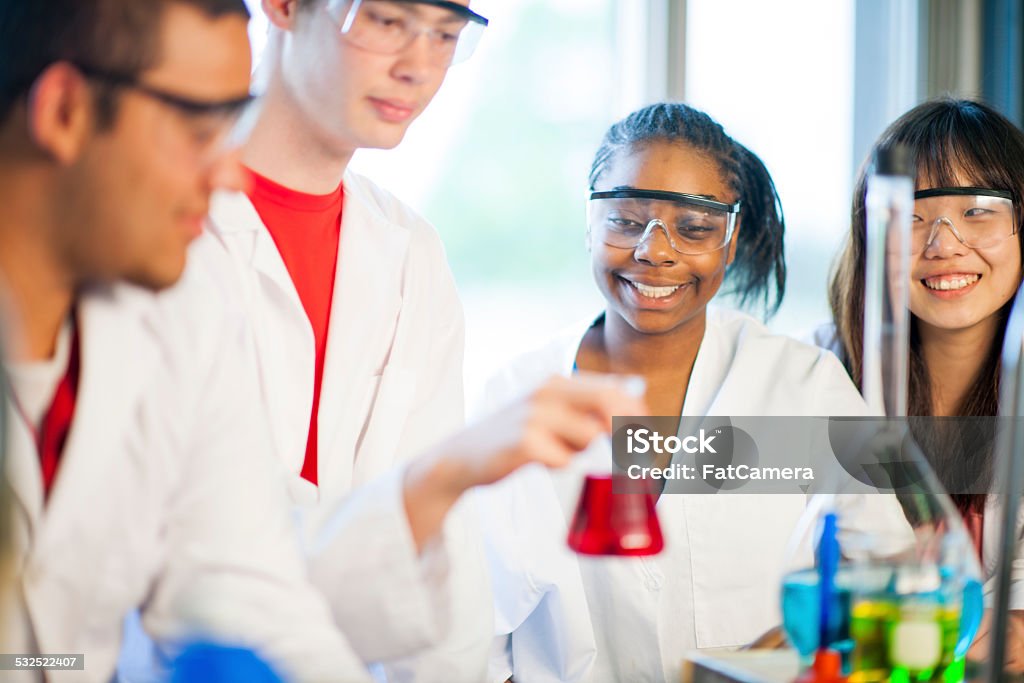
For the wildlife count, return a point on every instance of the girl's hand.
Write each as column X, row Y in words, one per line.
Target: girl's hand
column 1014, row 641
column 772, row 639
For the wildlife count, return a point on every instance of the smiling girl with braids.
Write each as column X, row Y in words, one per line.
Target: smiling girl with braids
column 676, row 210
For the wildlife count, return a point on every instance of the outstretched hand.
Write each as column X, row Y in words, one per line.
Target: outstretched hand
column 548, row 426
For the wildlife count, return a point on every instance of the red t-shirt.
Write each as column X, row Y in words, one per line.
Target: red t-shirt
column 306, row 229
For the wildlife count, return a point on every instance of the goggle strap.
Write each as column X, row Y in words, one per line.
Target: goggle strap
column 962, row 192
column 677, row 197
column 460, row 10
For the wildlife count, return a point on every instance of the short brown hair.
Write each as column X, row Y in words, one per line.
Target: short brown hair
column 117, row 35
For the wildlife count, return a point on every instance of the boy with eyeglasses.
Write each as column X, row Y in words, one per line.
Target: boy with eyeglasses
column 128, row 398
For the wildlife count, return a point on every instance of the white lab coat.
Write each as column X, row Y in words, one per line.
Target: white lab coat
column 562, row 617
column 392, row 386
column 825, row 336
column 167, row 497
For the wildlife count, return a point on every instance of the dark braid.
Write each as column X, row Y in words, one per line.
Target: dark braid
column 759, row 271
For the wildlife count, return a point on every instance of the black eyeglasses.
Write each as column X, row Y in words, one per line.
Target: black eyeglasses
column 225, row 110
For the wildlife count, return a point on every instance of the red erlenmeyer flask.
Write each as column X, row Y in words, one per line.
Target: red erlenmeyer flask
column 615, row 516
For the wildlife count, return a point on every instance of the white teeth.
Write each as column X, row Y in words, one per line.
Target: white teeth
column 947, row 283
column 653, row 292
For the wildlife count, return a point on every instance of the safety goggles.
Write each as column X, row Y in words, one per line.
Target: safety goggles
column 978, row 217
column 692, row 224
column 390, row 26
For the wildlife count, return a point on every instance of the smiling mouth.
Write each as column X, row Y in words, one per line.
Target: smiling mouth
column 950, row 282
column 654, row 292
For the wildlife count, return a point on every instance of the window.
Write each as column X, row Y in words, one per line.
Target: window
column 779, row 77
column 499, row 162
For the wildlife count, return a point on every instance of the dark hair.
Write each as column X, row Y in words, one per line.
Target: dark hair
column 115, row 35
column 953, row 142
column 759, row 270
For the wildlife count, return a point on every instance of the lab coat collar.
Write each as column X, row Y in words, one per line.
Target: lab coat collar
column 572, row 337
column 709, row 368
column 367, row 301
column 115, row 360
column 365, row 312
column 282, row 332
column 234, row 219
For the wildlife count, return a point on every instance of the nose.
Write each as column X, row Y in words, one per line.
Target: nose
column 416, row 62
column 226, row 172
column 655, row 246
column 945, row 241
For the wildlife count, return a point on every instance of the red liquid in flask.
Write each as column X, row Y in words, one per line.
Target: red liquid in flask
column 622, row 522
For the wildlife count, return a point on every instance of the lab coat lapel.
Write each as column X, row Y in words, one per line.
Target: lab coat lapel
column 710, row 369
column 116, row 362
column 364, row 315
column 283, row 334
column 236, row 222
column 23, row 471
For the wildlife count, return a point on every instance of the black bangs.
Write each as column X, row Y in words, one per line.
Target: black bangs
column 963, row 143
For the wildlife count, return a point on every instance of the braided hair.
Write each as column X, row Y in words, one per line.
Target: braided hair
column 758, row 273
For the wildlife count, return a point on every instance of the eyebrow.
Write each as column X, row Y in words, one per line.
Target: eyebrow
column 702, row 196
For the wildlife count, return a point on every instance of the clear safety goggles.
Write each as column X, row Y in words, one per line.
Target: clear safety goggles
column 978, row 217
column 692, row 224
column 390, row 26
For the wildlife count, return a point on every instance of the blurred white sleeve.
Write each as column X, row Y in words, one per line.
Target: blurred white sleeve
column 234, row 571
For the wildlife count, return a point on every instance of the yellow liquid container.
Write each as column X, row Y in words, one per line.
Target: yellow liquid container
column 912, row 642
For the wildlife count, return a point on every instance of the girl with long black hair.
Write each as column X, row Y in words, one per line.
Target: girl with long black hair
column 965, row 269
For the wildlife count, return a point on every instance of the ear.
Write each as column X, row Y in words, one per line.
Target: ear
column 282, row 13
column 60, row 112
column 733, row 242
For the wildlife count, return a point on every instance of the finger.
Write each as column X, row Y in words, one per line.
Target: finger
column 1014, row 665
column 598, row 395
column 771, row 639
column 536, row 446
column 1015, row 643
column 575, row 429
column 544, row 447
column 632, row 385
column 592, row 389
column 979, row 650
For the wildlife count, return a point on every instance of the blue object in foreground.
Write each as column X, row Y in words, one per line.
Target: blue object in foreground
column 828, row 564
column 801, row 616
column 211, row 663
column 970, row 616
